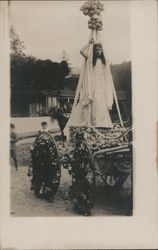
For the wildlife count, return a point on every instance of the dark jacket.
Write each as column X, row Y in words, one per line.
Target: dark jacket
column 13, row 140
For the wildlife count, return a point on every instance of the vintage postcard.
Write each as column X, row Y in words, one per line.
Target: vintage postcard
column 79, row 124
column 71, row 108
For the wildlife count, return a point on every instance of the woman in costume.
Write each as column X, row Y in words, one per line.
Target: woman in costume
column 94, row 94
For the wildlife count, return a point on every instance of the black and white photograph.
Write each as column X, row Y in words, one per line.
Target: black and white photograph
column 71, row 123
column 78, row 124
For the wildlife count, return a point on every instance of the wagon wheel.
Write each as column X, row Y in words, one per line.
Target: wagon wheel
column 83, row 180
column 111, row 180
column 45, row 166
column 117, row 176
column 89, row 165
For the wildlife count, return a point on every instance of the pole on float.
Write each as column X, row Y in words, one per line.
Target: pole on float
column 98, row 37
column 115, row 98
column 117, row 106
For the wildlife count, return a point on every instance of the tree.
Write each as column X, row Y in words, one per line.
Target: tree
column 16, row 44
column 30, row 76
column 64, row 56
column 122, row 79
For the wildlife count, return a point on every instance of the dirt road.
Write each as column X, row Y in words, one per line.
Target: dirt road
column 24, row 202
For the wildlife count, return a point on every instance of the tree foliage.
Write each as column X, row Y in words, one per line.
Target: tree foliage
column 122, row 80
column 16, row 44
column 30, row 76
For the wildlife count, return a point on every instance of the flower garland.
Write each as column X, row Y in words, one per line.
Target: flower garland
column 45, row 168
column 75, row 156
column 81, row 190
column 93, row 9
column 77, row 163
column 106, row 138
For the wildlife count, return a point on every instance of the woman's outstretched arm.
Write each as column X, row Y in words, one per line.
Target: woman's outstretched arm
column 83, row 51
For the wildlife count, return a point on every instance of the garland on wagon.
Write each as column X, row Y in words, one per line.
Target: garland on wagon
column 44, row 169
column 75, row 157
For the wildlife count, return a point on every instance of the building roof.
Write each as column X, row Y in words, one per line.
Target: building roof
column 65, row 92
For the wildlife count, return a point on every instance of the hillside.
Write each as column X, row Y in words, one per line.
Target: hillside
column 121, row 74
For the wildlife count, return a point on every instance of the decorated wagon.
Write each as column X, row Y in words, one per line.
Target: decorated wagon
column 96, row 147
column 90, row 154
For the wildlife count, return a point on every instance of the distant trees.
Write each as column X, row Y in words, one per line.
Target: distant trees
column 122, row 75
column 16, row 44
column 29, row 76
column 122, row 79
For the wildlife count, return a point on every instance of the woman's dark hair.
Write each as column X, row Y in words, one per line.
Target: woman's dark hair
column 95, row 56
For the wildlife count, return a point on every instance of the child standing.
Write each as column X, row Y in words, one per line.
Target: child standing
column 44, row 126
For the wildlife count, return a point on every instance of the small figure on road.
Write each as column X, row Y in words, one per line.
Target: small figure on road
column 13, row 140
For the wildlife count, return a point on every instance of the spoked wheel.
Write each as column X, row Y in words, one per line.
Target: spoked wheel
column 46, row 168
column 83, row 180
column 111, row 180
column 89, row 166
column 117, row 175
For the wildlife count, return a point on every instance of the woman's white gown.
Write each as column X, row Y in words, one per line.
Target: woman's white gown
column 100, row 114
column 96, row 113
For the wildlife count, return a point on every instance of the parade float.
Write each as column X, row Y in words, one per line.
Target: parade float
column 90, row 153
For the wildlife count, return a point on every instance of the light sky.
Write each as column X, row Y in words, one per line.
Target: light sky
column 49, row 27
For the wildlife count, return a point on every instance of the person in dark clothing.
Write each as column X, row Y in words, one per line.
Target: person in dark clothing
column 13, row 140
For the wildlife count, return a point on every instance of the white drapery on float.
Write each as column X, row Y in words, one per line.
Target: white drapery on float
column 82, row 106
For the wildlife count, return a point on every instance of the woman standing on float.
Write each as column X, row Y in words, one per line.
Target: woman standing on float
column 94, row 94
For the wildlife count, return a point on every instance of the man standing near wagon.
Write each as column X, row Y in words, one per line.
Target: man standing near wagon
column 13, row 140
